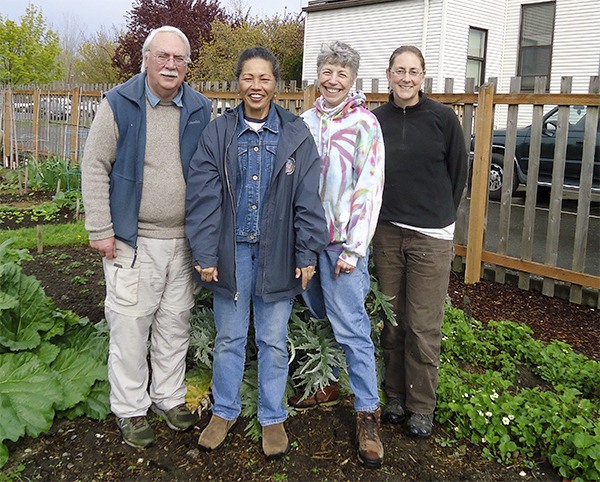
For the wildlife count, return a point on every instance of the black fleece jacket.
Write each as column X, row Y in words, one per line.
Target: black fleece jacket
column 425, row 163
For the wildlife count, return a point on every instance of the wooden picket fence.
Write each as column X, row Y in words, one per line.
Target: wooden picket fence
column 31, row 127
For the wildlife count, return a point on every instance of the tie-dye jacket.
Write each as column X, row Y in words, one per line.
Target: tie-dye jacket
column 350, row 144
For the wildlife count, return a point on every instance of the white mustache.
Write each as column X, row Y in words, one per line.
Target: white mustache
column 168, row 73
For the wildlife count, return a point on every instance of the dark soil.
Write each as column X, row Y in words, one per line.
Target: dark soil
column 322, row 440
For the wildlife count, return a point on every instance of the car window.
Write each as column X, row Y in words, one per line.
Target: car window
column 577, row 117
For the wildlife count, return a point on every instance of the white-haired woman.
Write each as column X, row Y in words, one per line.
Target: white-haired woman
column 350, row 144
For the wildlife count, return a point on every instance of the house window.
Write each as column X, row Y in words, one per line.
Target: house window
column 476, row 52
column 535, row 43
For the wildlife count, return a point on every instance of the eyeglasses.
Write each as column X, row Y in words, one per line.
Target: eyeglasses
column 162, row 58
column 412, row 73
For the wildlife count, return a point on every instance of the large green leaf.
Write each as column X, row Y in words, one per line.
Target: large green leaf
column 21, row 323
column 29, row 390
column 77, row 373
column 96, row 405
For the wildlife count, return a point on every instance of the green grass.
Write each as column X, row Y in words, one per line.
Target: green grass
column 53, row 235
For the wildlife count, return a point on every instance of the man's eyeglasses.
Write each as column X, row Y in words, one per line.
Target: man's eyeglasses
column 412, row 73
column 162, row 58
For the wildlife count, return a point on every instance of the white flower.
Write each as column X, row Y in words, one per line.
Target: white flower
column 488, row 414
column 511, row 416
column 522, row 473
column 466, row 395
column 482, row 440
column 444, row 338
column 480, row 413
column 494, row 395
column 505, row 420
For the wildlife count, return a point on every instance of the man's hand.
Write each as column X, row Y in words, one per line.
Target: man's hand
column 209, row 274
column 107, row 247
column 306, row 273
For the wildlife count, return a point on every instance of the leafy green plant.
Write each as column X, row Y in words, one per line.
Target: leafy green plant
column 51, row 361
column 71, row 200
column 480, row 398
column 44, row 174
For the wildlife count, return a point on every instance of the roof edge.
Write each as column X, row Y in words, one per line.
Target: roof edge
column 321, row 5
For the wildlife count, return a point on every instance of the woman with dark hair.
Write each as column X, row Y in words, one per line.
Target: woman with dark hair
column 255, row 225
column 425, row 175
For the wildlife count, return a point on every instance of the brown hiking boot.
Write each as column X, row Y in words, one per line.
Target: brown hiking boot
column 370, row 448
column 275, row 441
column 330, row 395
column 215, row 433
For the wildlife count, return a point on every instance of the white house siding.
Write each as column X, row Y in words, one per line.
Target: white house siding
column 576, row 49
column 483, row 14
column 374, row 30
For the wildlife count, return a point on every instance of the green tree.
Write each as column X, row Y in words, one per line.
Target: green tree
column 283, row 35
column 94, row 64
column 28, row 51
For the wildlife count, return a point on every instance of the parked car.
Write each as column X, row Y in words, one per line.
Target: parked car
column 574, row 153
column 55, row 108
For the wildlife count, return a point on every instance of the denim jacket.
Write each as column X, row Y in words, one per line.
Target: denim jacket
column 256, row 157
column 292, row 229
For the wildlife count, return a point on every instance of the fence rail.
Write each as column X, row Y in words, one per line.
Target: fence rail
column 42, row 122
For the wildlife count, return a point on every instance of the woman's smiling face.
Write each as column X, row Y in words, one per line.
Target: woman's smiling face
column 335, row 81
column 405, row 77
column 257, row 87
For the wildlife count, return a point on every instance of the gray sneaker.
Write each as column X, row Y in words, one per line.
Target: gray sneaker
column 136, row 431
column 178, row 418
column 394, row 411
column 420, row 424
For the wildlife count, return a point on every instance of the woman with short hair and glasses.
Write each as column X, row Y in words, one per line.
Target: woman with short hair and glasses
column 425, row 175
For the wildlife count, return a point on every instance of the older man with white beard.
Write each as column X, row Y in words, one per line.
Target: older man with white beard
column 134, row 173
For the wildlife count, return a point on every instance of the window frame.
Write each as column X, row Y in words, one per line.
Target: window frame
column 528, row 81
column 481, row 60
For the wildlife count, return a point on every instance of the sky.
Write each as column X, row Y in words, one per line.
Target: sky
column 90, row 15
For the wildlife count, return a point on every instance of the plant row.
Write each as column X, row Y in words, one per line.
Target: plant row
column 516, row 397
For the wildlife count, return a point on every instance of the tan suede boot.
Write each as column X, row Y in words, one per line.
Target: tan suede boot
column 370, row 448
column 275, row 441
column 215, row 433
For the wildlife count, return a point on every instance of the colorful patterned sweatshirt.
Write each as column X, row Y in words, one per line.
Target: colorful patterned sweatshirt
column 350, row 144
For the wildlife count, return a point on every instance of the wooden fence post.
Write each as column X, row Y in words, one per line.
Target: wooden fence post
column 533, row 171
column 36, row 122
column 75, row 112
column 310, row 95
column 479, row 186
column 585, row 189
column 8, row 127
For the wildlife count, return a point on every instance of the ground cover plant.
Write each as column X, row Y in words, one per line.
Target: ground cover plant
column 542, row 399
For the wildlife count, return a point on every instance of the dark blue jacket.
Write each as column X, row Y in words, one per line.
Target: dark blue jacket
column 128, row 103
column 293, row 230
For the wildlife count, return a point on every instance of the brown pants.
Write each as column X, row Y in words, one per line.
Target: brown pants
column 414, row 269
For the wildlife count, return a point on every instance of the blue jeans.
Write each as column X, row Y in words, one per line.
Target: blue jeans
column 342, row 300
column 232, row 319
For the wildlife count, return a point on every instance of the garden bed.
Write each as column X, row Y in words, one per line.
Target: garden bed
column 322, row 440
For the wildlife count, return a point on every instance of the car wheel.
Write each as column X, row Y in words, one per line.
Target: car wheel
column 497, row 177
